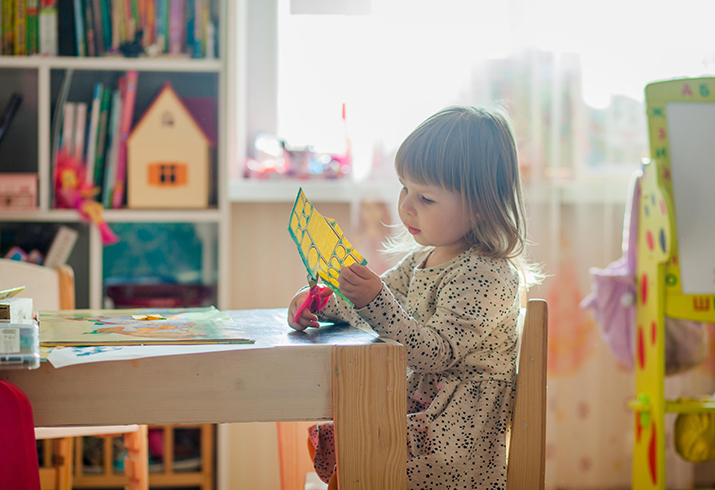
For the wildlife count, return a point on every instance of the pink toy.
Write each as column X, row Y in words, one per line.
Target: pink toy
column 613, row 301
column 72, row 191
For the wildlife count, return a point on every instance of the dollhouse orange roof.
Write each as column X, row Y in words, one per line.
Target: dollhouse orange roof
column 167, row 87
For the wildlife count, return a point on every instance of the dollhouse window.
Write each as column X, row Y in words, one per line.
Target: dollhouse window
column 167, row 119
column 167, row 174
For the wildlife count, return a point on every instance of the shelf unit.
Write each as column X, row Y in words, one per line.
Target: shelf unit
column 166, row 472
column 38, row 79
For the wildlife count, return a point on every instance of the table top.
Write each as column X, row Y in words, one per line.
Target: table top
column 284, row 375
column 269, row 328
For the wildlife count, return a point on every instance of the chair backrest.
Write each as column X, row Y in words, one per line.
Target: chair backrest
column 50, row 288
column 527, row 446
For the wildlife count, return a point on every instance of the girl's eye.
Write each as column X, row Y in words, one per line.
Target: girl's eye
column 427, row 201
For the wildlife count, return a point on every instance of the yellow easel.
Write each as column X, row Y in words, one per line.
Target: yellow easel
column 658, row 277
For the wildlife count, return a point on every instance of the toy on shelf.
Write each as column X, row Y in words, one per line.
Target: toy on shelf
column 168, row 156
column 72, row 191
column 675, row 268
column 276, row 158
column 18, row 191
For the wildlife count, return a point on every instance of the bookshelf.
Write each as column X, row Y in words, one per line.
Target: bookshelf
column 28, row 147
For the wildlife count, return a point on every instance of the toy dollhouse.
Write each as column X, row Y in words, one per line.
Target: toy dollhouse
column 168, row 157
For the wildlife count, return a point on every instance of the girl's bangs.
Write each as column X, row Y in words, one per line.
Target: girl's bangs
column 422, row 159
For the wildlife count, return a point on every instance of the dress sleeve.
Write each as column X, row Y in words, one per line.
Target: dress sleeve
column 470, row 307
column 396, row 279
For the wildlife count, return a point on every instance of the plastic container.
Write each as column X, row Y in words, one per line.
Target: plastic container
column 19, row 345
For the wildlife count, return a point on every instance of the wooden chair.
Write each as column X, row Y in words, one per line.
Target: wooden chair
column 53, row 289
column 527, row 446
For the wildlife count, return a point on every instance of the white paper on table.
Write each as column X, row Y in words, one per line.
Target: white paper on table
column 70, row 356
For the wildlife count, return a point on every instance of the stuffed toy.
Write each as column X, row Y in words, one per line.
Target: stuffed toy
column 73, row 191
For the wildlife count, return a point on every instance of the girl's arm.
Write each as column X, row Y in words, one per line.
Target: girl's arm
column 470, row 308
column 399, row 277
column 397, row 280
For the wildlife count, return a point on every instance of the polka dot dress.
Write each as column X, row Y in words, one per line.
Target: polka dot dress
column 457, row 322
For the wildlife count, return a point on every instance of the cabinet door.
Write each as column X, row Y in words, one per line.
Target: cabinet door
column 18, row 136
column 161, row 265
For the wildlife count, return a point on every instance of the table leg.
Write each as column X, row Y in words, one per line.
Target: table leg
column 370, row 416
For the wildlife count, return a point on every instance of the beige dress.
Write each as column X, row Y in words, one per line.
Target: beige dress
column 458, row 324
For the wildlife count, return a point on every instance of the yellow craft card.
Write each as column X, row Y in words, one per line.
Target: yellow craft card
column 321, row 243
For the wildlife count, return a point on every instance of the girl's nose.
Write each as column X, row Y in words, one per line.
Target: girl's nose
column 407, row 207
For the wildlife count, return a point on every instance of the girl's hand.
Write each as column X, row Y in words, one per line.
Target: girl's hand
column 306, row 318
column 359, row 284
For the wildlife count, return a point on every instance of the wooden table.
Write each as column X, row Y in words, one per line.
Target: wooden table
column 336, row 372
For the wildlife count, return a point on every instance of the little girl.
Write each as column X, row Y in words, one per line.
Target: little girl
column 453, row 301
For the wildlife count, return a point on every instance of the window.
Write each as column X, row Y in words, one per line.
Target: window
column 571, row 74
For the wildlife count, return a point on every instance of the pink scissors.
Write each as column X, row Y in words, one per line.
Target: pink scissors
column 316, row 300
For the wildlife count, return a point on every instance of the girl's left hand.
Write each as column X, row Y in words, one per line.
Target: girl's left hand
column 359, row 284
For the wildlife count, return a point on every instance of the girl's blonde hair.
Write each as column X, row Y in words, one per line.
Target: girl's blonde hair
column 472, row 151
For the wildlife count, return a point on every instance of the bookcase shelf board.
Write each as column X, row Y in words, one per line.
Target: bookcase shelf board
column 118, row 63
column 212, row 215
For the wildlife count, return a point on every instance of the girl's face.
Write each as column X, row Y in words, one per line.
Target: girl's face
column 435, row 217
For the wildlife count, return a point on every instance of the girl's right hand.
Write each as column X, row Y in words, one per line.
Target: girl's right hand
column 306, row 319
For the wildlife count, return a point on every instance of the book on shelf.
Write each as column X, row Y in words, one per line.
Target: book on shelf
column 79, row 27
column 92, row 133
column 105, row 18
column 32, row 26
column 117, row 25
column 89, row 28
column 100, row 157
column 8, row 34
column 201, row 17
column 66, row 37
column 70, row 110
column 177, row 40
column 57, row 128
column 96, row 9
column 47, row 28
column 61, row 247
column 150, row 26
column 80, row 131
column 110, row 171
column 98, row 27
column 125, row 127
column 20, row 28
column 161, row 24
column 189, row 20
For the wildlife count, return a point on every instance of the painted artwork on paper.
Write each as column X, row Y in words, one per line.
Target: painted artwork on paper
column 321, row 243
column 139, row 326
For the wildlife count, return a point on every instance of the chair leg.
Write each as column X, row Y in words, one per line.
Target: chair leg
column 136, row 466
